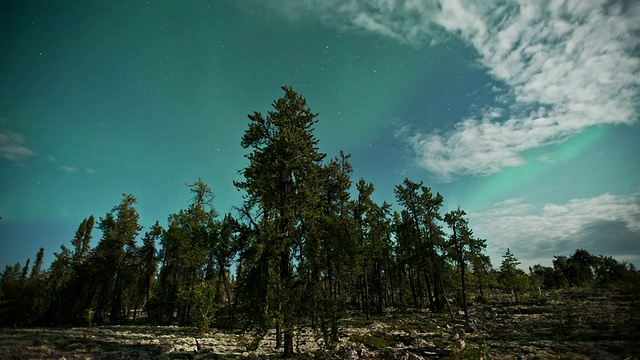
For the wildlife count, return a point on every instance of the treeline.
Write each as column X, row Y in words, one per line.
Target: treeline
column 300, row 250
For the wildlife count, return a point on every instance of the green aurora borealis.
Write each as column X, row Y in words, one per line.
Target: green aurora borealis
column 101, row 98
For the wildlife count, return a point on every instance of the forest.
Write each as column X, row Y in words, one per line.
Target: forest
column 307, row 247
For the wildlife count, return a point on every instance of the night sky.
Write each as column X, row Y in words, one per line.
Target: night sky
column 526, row 116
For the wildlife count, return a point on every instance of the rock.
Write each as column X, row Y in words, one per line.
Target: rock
column 419, row 343
column 392, row 354
column 388, row 354
column 348, row 353
column 414, row 338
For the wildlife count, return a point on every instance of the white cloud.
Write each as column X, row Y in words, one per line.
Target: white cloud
column 605, row 225
column 70, row 169
column 13, row 146
column 407, row 21
column 481, row 147
column 74, row 169
column 576, row 62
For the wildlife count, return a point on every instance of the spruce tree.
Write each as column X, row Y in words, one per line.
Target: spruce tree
column 282, row 185
column 422, row 213
column 185, row 247
column 114, row 260
column 464, row 248
column 510, row 275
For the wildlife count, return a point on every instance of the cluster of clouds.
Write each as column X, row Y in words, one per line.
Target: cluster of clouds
column 566, row 65
column 604, row 225
column 13, row 146
column 14, row 149
column 71, row 169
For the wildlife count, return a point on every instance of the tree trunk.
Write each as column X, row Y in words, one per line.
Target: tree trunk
column 288, row 344
column 285, row 276
column 432, row 304
column 464, row 293
column 379, row 289
column 365, row 302
column 278, row 335
column 224, row 280
column 413, row 287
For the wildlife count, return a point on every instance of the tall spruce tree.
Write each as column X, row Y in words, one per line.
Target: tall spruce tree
column 328, row 273
column 113, row 258
column 373, row 232
column 183, row 281
column 407, row 259
column 464, row 247
column 422, row 213
column 281, row 183
column 223, row 251
column 148, row 266
column 72, row 279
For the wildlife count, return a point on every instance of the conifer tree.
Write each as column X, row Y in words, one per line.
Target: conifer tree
column 465, row 248
column 185, row 247
column 510, row 275
column 379, row 252
column 331, row 250
column 113, row 259
column 407, row 258
column 362, row 205
column 422, row 213
column 281, row 183
column 223, row 252
column 148, row 266
column 35, row 293
column 60, row 277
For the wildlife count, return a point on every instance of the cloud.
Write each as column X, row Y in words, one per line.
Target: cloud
column 566, row 65
column 576, row 64
column 74, row 169
column 604, row 225
column 481, row 147
column 70, row 169
column 13, row 146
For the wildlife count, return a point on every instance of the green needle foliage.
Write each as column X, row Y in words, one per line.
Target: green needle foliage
column 425, row 239
column 511, row 277
column 282, row 186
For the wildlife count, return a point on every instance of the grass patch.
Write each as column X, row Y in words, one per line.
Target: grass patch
column 374, row 341
column 472, row 353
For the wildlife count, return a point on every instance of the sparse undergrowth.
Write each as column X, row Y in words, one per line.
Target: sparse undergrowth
column 574, row 324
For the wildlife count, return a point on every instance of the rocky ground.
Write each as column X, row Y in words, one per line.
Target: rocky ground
column 566, row 324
